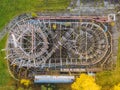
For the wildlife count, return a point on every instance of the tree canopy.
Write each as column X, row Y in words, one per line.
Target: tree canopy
column 85, row 82
column 117, row 87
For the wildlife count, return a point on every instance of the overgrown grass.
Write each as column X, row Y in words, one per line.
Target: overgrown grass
column 9, row 9
column 4, row 75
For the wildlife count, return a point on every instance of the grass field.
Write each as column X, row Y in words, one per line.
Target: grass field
column 10, row 9
column 4, row 75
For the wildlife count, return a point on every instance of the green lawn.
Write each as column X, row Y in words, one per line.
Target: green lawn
column 12, row 8
column 4, row 75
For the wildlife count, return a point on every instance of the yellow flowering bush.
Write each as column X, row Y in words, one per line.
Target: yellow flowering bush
column 25, row 82
column 117, row 87
column 85, row 82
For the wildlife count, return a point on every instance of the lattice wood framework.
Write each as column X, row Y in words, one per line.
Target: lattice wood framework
column 47, row 42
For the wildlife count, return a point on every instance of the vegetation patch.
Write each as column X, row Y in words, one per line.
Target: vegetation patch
column 4, row 74
column 10, row 9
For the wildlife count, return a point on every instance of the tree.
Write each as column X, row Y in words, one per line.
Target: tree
column 85, row 82
column 34, row 15
column 117, row 87
column 25, row 82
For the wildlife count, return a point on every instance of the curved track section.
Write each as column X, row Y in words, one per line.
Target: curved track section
column 29, row 44
column 89, row 43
